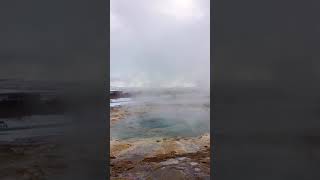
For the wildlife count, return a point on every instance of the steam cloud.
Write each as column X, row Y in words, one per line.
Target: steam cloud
column 160, row 43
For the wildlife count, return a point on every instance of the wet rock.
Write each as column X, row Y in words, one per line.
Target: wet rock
column 182, row 158
column 121, row 166
column 170, row 162
column 143, row 149
column 169, row 173
column 117, row 148
column 193, row 163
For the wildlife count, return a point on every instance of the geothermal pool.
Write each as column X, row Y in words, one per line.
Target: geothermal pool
column 164, row 117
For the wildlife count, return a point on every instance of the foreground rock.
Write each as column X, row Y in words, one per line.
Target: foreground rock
column 154, row 158
column 117, row 113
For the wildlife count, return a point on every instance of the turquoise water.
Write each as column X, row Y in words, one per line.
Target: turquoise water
column 168, row 122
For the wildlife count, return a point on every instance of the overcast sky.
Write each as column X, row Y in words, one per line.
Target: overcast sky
column 160, row 42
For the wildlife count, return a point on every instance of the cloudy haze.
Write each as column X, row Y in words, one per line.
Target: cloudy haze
column 160, row 43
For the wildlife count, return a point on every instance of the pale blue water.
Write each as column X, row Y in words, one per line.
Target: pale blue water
column 168, row 122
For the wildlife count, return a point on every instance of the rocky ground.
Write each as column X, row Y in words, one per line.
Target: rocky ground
column 117, row 113
column 158, row 158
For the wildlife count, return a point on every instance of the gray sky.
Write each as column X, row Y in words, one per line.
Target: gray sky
column 160, row 42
